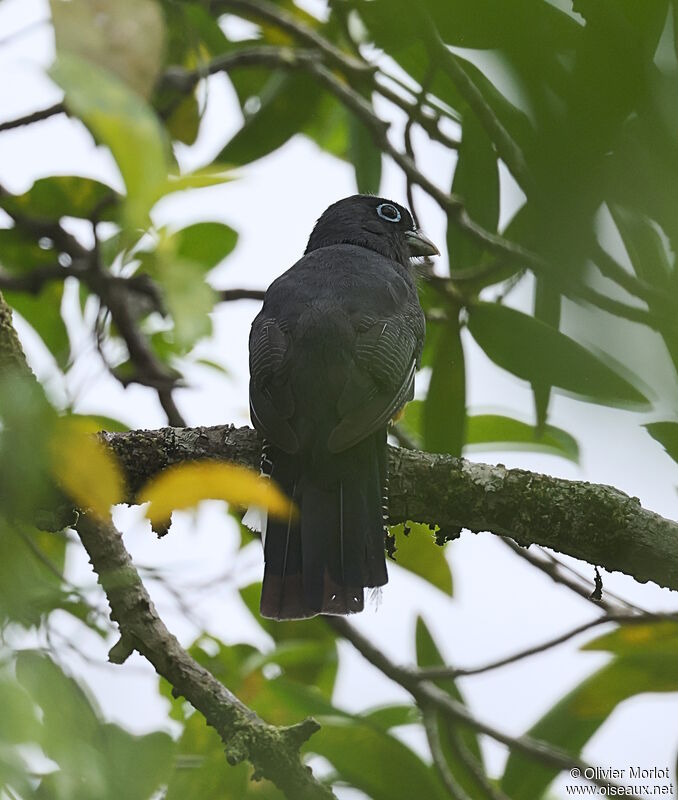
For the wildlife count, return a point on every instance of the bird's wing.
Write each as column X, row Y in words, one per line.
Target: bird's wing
column 271, row 400
column 382, row 377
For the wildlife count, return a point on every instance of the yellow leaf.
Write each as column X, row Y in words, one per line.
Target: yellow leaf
column 185, row 485
column 83, row 467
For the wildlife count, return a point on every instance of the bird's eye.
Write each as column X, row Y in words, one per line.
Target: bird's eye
column 388, row 212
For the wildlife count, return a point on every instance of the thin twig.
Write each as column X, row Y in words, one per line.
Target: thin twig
column 554, row 570
column 184, row 80
column 434, row 673
column 228, row 295
column 113, row 293
column 427, row 694
column 32, row 282
column 35, row 116
column 170, row 408
column 507, row 149
column 590, row 584
column 287, row 58
column 416, row 114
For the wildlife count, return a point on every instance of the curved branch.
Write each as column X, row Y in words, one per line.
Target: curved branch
column 273, row 751
column 596, row 523
column 36, row 116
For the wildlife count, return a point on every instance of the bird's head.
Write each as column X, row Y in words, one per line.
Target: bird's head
column 372, row 222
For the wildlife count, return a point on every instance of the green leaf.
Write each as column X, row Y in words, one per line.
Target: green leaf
column 418, row 553
column 366, row 157
column 534, row 351
column 19, row 721
column 147, row 759
column 287, row 102
column 494, row 431
column 70, row 728
column 375, row 762
column 647, row 661
column 59, row 196
column 183, row 123
column 20, row 253
column 206, row 243
column 202, row 771
column 124, row 37
column 329, row 127
column 121, row 120
column 666, row 433
column 312, row 663
column 301, row 629
column 411, row 422
column 27, row 422
column 89, row 753
column 400, row 28
column 476, row 181
column 29, row 590
column 199, row 179
column 18, row 725
column 43, row 313
column 188, row 297
column 488, row 24
column 428, row 655
column 284, row 702
column 444, row 419
column 387, row 717
column 644, row 245
column 291, row 638
column 547, row 310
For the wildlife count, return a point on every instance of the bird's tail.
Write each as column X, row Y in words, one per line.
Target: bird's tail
column 321, row 561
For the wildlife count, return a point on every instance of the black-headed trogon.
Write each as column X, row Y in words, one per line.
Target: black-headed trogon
column 333, row 354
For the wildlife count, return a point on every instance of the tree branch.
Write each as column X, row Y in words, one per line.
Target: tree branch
column 35, row 116
column 288, row 58
column 596, row 523
column 262, row 9
column 12, row 357
column 113, row 293
column 228, row 295
column 273, row 751
column 427, row 695
column 507, row 149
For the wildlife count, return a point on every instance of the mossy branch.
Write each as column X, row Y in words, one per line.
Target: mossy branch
column 596, row 523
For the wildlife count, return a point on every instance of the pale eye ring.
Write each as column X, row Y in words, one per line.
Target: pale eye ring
column 388, row 212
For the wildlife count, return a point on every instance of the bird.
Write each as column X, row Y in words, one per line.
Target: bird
column 333, row 355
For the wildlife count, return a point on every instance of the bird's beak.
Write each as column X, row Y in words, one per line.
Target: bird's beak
column 420, row 245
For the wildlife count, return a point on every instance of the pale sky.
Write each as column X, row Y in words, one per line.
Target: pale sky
column 500, row 604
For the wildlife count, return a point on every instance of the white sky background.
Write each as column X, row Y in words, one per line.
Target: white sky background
column 500, row 604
